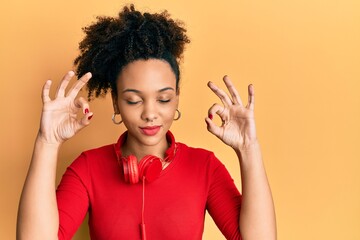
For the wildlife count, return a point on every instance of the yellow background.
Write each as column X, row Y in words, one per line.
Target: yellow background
column 303, row 57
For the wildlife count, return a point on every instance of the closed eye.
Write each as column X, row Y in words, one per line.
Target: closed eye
column 164, row 101
column 132, row 102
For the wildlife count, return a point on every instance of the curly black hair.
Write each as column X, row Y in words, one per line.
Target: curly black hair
column 112, row 43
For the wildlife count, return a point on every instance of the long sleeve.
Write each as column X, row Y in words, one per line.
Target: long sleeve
column 72, row 199
column 224, row 202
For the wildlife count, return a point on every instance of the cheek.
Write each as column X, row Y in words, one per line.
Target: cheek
column 169, row 112
column 127, row 113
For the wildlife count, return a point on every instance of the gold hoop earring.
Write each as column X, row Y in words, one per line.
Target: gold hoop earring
column 114, row 120
column 178, row 116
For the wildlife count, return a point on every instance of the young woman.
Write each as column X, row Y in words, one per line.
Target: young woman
column 146, row 185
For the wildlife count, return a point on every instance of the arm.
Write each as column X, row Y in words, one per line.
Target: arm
column 257, row 215
column 38, row 214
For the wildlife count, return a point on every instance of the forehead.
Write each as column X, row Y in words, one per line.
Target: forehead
column 146, row 75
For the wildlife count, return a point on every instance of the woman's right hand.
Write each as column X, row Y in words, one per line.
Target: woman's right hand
column 59, row 118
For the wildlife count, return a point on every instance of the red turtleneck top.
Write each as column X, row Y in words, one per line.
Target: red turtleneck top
column 174, row 204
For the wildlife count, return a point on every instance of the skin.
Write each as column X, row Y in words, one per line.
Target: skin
column 146, row 96
column 38, row 207
column 257, row 215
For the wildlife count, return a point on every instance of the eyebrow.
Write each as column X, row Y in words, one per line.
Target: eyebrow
column 137, row 91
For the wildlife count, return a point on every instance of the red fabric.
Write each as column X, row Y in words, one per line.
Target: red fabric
column 175, row 203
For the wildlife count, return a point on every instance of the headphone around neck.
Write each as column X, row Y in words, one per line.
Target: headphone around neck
column 149, row 167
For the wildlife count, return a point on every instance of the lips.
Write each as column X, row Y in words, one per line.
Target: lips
column 151, row 130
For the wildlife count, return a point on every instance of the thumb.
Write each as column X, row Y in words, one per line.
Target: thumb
column 85, row 120
column 212, row 127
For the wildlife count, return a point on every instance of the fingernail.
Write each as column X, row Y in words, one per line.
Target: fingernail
column 86, row 110
column 90, row 117
column 211, row 116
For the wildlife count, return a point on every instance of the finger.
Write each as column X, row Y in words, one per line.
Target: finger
column 73, row 92
column 232, row 90
column 251, row 97
column 45, row 91
column 60, row 92
column 221, row 94
column 83, row 104
column 83, row 122
column 86, row 119
column 212, row 127
column 219, row 110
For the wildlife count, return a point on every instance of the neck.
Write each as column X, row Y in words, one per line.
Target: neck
column 132, row 147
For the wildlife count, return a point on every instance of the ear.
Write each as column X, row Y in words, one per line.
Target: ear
column 115, row 102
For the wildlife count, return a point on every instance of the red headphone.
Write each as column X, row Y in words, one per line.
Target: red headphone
column 149, row 166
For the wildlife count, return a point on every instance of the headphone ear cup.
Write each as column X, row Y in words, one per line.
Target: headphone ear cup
column 150, row 167
column 131, row 171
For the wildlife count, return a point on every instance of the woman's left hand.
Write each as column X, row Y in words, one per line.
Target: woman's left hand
column 238, row 124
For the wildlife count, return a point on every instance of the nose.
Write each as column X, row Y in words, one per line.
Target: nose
column 149, row 112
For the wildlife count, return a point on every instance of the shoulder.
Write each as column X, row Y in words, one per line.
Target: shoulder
column 201, row 163
column 105, row 151
column 197, row 155
column 185, row 149
column 95, row 156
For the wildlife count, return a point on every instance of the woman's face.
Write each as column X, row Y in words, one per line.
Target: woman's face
column 147, row 100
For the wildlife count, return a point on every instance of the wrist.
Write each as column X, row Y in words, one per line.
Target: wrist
column 248, row 148
column 42, row 140
column 249, row 154
column 45, row 154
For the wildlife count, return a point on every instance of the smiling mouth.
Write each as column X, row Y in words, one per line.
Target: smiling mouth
column 150, row 131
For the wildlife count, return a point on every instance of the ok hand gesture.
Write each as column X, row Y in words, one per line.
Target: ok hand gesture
column 59, row 120
column 238, row 123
